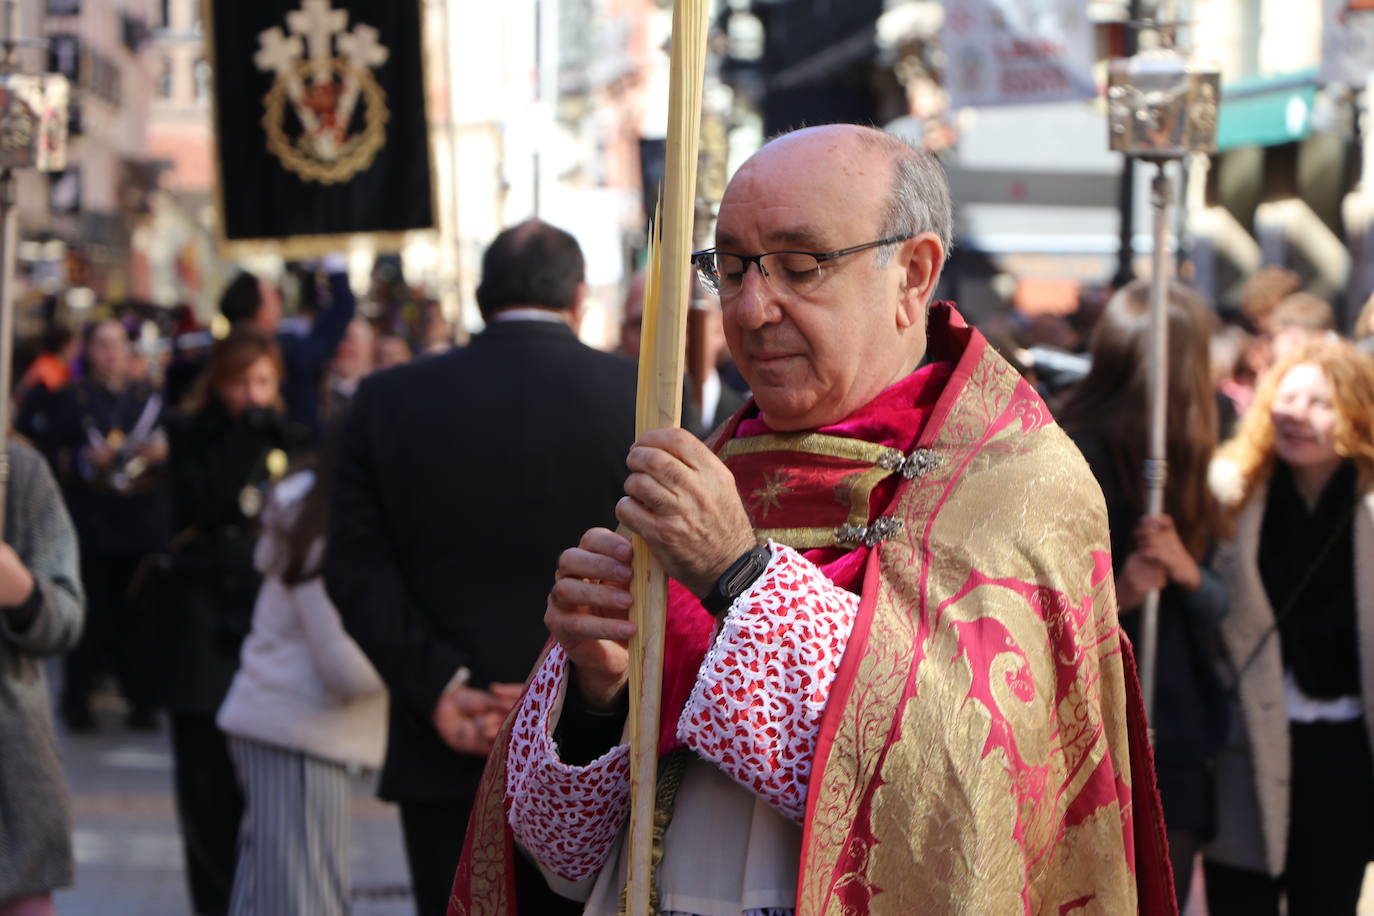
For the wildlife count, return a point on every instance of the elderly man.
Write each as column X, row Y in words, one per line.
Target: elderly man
column 896, row 682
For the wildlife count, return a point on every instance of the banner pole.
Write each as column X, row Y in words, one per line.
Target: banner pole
column 1156, row 460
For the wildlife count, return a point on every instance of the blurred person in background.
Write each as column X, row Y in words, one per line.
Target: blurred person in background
column 305, row 352
column 52, row 367
column 1260, row 294
column 719, row 401
column 231, row 442
column 1363, row 333
column 392, row 350
column 632, row 315
column 1299, row 319
column 462, row 478
column 353, row 360
column 1107, row 415
column 306, row 349
column 1262, row 291
column 1054, row 353
column 1295, row 779
column 107, row 442
column 305, row 708
column 435, row 332
column 710, row 401
column 1233, row 374
column 49, row 371
column 40, row 616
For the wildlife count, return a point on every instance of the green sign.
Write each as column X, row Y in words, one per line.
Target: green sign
column 1267, row 110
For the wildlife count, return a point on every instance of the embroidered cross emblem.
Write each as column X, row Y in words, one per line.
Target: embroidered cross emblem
column 317, row 23
column 279, row 53
column 323, row 90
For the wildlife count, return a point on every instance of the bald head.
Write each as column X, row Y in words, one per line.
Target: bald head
column 815, row 347
column 903, row 187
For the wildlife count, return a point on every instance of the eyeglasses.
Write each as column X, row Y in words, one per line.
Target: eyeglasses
column 721, row 273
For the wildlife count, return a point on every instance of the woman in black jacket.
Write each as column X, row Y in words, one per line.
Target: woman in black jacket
column 226, row 448
column 1107, row 415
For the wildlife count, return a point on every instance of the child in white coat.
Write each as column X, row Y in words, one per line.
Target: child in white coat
column 305, row 707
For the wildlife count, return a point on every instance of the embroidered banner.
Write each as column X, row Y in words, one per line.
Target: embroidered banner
column 320, row 120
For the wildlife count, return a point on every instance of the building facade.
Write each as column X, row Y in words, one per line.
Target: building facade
column 77, row 226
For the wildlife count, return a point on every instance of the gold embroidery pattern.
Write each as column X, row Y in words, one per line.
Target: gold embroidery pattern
column 853, row 492
column 864, row 724
column 948, row 829
column 860, row 491
column 775, row 486
column 844, row 490
column 357, row 152
column 487, row 878
column 487, row 831
column 812, row 444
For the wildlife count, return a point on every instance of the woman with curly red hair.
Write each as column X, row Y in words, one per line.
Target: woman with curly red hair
column 1296, row 779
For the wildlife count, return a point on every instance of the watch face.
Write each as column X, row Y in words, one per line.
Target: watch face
column 739, row 579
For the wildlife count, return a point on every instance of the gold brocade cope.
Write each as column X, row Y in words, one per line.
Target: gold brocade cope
column 978, row 761
column 980, row 752
column 810, row 490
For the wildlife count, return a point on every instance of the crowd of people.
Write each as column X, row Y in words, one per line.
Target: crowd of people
column 316, row 553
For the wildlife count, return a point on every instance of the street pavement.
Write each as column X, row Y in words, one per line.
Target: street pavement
column 128, row 852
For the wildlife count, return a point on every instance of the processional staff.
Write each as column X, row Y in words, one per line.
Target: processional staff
column 1160, row 108
column 33, row 134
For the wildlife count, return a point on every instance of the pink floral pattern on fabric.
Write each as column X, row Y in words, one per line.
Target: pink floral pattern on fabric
column 756, row 708
column 567, row 817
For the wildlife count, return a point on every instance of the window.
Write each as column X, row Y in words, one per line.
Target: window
column 165, row 82
column 202, row 72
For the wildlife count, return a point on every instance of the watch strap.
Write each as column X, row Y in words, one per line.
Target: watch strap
column 737, row 579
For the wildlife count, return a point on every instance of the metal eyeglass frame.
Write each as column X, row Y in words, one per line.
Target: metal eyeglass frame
column 713, row 287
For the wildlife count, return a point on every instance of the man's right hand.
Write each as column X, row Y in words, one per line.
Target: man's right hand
column 468, row 720
column 588, row 613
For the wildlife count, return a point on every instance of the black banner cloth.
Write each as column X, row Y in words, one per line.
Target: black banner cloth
column 320, row 125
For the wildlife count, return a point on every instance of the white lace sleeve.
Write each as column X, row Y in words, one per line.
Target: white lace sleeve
column 759, row 696
column 567, row 817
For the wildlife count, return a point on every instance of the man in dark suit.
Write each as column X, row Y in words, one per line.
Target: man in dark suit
column 462, row 478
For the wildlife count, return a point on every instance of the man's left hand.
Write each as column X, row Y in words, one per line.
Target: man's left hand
column 681, row 498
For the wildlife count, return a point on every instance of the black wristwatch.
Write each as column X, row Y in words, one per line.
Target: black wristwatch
column 736, row 579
